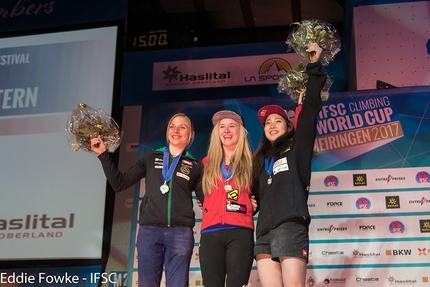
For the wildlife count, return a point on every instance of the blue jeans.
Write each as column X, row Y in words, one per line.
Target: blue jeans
column 168, row 246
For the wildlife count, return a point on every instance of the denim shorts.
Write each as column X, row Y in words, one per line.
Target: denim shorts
column 291, row 238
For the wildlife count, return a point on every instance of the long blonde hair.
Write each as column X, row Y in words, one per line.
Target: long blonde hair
column 241, row 161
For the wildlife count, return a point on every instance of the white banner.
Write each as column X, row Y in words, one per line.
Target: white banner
column 411, row 178
column 222, row 72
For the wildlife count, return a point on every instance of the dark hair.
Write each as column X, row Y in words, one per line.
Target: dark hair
column 272, row 150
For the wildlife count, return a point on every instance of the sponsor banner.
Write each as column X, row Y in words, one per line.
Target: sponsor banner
column 50, row 231
column 49, row 227
column 396, row 226
column 336, row 275
column 370, row 275
column 370, row 179
column 42, row 78
column 378, row 252
column 369, row 203
column 222, row 72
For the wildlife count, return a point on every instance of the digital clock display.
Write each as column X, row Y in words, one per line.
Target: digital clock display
column 158, row 39
column 155, row 38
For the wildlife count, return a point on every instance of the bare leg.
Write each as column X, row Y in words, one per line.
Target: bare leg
column 293, row 271
column 269, row 271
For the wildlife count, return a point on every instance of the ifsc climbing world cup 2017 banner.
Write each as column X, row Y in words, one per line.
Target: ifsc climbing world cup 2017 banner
column 350, row 128
column 385, row 129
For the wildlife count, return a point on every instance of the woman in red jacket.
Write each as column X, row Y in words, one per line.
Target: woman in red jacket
column 227, row 239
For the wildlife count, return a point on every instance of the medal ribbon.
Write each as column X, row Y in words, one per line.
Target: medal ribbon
column 226, row 174
column 168, row 172
column 269, row 166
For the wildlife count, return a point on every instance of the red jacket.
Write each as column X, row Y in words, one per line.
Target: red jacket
column 232, row 208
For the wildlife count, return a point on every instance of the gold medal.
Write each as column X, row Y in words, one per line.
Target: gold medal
column 269, row 181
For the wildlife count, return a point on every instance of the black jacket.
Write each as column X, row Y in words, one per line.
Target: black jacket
column 175, row 208
column 286, row 198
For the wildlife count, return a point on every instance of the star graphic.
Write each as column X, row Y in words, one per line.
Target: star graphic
column 355, row 252
column 171, row 73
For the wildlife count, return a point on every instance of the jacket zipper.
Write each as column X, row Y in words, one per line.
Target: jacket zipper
column 169, row 204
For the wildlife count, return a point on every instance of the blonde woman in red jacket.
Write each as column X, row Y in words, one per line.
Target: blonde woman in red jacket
column 227, row 239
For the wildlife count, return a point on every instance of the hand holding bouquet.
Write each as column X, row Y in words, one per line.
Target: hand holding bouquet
column 85, row 123
column 314, row 31
column 295, row 81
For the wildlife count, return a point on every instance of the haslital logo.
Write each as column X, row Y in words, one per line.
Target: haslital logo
column 35, row 221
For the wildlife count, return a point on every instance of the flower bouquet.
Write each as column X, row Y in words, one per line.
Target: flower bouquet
column 314, row 31
column 86, row 123
column 295, row 81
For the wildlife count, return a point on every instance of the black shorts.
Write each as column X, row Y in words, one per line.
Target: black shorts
column 291, row 238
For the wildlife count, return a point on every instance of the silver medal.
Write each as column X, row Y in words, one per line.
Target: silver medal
column 164, row 188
